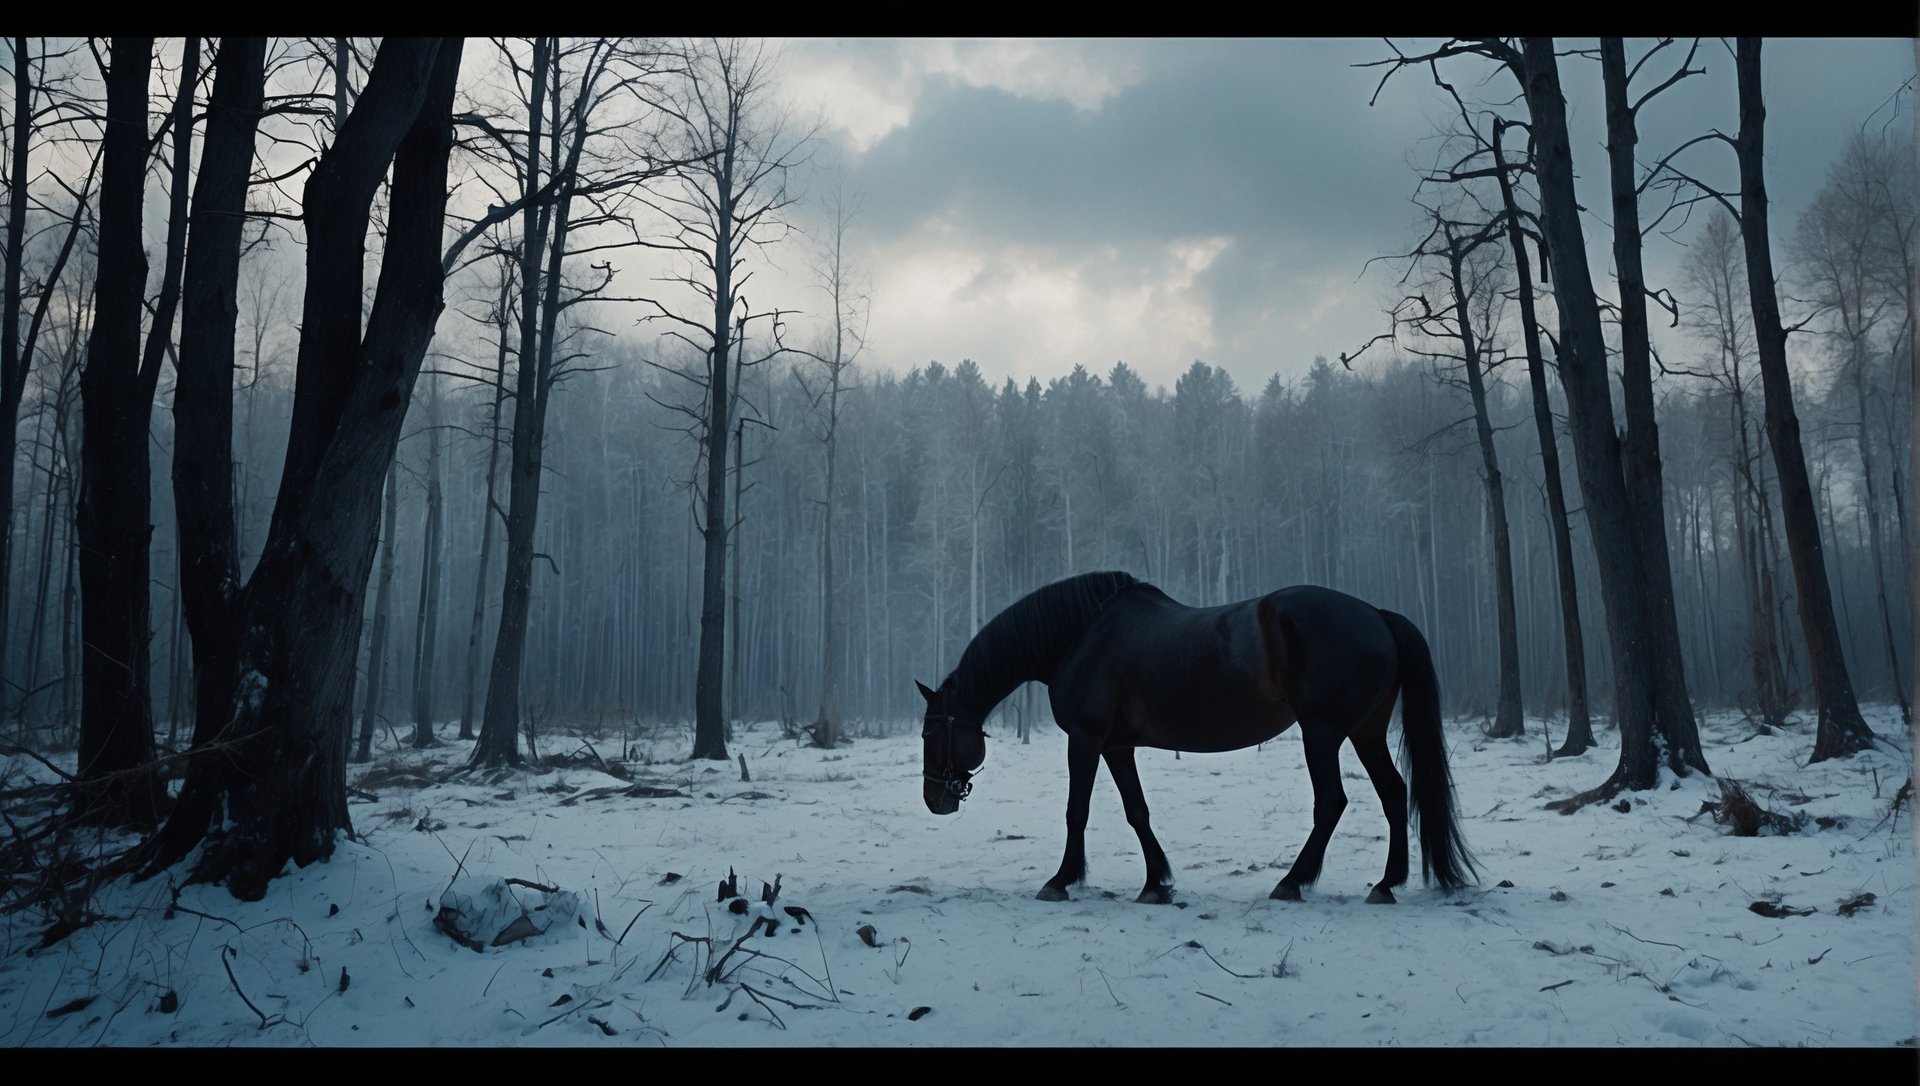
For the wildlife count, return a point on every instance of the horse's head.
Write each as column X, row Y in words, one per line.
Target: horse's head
column 954, row 748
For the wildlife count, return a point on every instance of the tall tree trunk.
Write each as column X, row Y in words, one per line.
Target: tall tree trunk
column 36, row 637
column 17, row 350
column 428, row 618
column 736, row 629
column 826, row 725
column 1769, row 684
column 1579, row 724
column 488, row 507
column 14, row 360
column 1583, row 374
column 112, row 519
column 203, row 487
column 1640, row 449
column 499, row 742
column 1913, row 447
column 1508, row 720
column 709, row 719
column 1872, row 505
column 382, row 618
column 1842, row 730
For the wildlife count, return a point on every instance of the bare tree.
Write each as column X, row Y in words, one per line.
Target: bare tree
column 203, row 393
column 113, row 519
column 1640, row 707
column 588, row 156
column 500, row 317
column 276, row 768
column 1911, row 254
column 842, row 348
column 1842, row 730
column 1840, row 248
column 1713, row 272
column 29, row 103
column 1471, row 281
column 1640, row 446
column 1573, row 641
column 728, row 202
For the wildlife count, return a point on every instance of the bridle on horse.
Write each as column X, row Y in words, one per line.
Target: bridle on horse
column 951, row 777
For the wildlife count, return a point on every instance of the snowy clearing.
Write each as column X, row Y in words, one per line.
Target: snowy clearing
column 1601, row 928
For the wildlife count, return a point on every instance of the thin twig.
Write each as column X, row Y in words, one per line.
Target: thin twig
column 1654, row 942
column 1243, row 976
column 631, row 923
column 226, row 951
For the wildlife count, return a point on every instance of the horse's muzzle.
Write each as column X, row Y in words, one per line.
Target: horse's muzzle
column 943, row 797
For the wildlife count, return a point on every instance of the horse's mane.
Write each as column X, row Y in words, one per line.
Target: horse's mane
column 1029, row 638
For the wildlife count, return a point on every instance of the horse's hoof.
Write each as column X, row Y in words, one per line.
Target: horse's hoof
column 1380, row 895
column 1049, row 893
column 1155, row 895
column 1285, row 892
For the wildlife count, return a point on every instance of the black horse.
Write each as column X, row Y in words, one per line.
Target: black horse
column 1128, row 667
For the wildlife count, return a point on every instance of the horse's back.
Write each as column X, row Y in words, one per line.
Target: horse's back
column 1226, row 677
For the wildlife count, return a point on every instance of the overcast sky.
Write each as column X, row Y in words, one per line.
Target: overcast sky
column 1036, row 204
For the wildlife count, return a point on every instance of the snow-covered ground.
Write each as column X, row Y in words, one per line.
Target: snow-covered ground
column 1600, row 928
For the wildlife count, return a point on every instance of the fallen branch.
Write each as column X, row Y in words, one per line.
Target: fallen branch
column 1195, row 944
column 226, row 951
column 1653, row 942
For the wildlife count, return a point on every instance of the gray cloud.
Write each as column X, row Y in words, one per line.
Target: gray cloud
column 1267, row 146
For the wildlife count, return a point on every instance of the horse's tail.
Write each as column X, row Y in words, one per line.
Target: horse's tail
column 1443, row 852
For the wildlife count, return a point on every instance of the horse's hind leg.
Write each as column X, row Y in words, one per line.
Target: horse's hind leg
column 1329, row 799
column 1159, row 873
column 1370, row 743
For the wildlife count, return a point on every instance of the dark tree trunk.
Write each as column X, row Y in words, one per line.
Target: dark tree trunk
column 382, row 618
column 203, row 494
column 1749, row 507
column 738, row 558
column 1640, row 450
column 112, row 519
column 1858, row 367
column 824, row 728
column 1579, row 724
column 15, row 357
column 277, row 771
column 427, row 621
column 1913, row 447
column 487, row 512
column 1508, row 720
column 499, row 742
column 1583, row 374
column 709, row 726
column 1842, row 730
column 36, row 642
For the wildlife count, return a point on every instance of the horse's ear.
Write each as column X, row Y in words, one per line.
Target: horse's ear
column 924, row 692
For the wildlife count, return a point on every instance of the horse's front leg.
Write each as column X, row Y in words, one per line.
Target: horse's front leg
column 1083, row 761
column 1159, row 889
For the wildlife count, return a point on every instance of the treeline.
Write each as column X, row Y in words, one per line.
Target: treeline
column 956, row 497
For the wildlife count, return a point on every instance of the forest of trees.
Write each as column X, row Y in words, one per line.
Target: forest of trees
column 450, row 417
